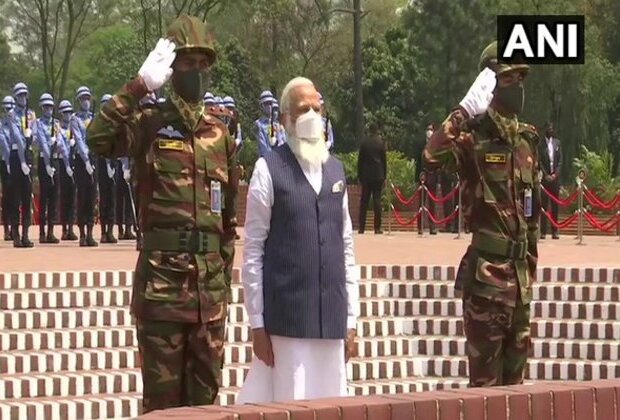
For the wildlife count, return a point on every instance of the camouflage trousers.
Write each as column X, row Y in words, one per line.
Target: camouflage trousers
column 498, row 341
column 181, row 363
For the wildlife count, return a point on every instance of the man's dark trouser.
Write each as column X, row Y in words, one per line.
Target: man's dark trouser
column 431, row 184
column 107, row 195
column 86, row 194
column 6, row 196
column 498, row 341
column 181, row 363
column 124, row 212
column 21, row 198
column 48, row 195
column 448, row 182
column 549, row 204
column 374, row 189
column 67, row 199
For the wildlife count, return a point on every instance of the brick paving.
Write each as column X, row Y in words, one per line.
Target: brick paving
column 399, row 248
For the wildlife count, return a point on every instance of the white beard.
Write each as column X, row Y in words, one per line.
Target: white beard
column 311, row 152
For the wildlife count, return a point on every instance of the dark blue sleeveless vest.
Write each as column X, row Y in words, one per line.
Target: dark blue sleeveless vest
column 304, row 285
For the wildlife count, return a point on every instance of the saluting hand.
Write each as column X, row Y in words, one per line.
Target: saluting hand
column 156, row 68
column 480, row 94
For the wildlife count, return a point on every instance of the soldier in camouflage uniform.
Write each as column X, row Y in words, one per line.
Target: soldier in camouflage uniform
column 186, row 184
column 496, row 159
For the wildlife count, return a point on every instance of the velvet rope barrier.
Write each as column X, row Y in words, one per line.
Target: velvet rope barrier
column 403, row 222
column 597, row 202
column 564, row 223
column 605, row 226
column 561, row 202
column 446, row 219
column 401, row 198
column 444, row 198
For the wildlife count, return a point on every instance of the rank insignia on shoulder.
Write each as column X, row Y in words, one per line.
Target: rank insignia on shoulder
column 170, row 144
column 170, row 133
column 495, row 158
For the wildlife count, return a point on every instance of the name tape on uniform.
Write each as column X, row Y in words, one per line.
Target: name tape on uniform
column 165, row 144
column 495, row 158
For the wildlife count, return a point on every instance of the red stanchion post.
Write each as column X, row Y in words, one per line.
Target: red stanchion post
column 580, row 179
column 422, row 208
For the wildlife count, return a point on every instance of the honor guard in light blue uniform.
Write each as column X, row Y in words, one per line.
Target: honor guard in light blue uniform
column 45, row 133
column 67, row 179
column 266, row 126
column 124, row 204
column 209, row 100
column 277, row 129
column 20, row 162
column 84, row 168
column 327, row 125
column 8, row 104
column 234, row 125
column 106, row 181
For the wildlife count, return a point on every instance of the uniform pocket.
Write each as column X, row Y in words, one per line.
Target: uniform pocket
column 172, row 181
column 495, row 182
column 168, row 276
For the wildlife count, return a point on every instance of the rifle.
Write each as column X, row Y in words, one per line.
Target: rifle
column 273, row 138
column 136, row 225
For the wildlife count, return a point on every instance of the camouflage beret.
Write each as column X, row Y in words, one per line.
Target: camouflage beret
column 488, row 58
column 191, row 34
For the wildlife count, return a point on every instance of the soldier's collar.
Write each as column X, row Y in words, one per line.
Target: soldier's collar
column 506, row 127
column 191, row 114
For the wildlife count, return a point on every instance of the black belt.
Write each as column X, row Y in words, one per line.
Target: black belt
column 191, row 241
column 499, row 246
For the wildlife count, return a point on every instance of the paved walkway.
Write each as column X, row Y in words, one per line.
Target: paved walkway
column 398, row 248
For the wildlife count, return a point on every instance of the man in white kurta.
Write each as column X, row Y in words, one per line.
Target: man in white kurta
column 293, row 367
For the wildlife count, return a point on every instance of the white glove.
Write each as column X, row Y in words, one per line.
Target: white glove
column 71, row 142
column 27, row 133
column 69, row 171
column 156, row 68
column 50, row 171
column 53, row 140
column 25, row 169
column 89, row 168
column 127, row 174
column 110, row 171
column 480, row 94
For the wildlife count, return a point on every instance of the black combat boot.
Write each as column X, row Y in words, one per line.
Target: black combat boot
column 71, row 236
column 129, row 234
column 110, row 235
column 90, row 241
column 42, row 237
column 83, row 235
column 104, row 234
column 7, row 233
column 26, row 242
column 17, row 240
column 51, row 239
column 63, row 236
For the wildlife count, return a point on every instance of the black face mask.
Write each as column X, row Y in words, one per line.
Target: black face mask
column 190, row 85
column 511, row 97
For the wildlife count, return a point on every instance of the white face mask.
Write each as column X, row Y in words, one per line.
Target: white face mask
column 309, row 126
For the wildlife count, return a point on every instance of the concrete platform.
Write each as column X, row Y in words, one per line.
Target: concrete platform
column 398, row 248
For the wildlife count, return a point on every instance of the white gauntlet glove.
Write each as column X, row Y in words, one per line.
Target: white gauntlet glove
column 69, row 171
column 127, row 175
column 156, row 68
column 89, row 168
column 25, row 169
column 480, row 94
column 111, row 171
column 50, row 171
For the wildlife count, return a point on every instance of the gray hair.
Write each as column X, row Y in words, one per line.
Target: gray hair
column 286, row 93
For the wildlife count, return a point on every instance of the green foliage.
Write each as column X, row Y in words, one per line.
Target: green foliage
column 401, row 173
column 598, row 172
column 110, row 60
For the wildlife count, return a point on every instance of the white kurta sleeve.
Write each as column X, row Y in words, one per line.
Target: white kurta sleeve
column 257, row 222
column 352, row 271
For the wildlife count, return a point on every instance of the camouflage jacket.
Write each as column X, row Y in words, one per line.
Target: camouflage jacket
column 497, row 168
column 177, row 172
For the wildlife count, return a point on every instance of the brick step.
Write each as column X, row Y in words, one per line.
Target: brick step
column 124, row 278
column 448, row 272
column 453, row 307
column 129, row 405
column 540, row 328
column 442, row 289
column 65, row 298
column 77, row 384
column 101, row 406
